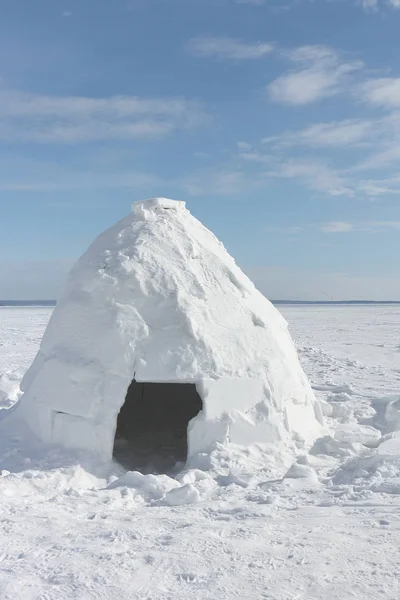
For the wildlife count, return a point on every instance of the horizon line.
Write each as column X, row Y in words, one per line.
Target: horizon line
column 52, row 302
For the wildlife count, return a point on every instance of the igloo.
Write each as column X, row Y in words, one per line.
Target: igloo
column 160, row 345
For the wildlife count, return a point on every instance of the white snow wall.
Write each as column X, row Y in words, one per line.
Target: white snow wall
column 158, row 298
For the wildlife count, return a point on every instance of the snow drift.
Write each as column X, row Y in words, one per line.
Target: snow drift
column 157, row 298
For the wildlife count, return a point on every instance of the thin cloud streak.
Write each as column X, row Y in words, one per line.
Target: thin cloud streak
column 226, row 48
column 314, row 174
column 373, row 6
column 326, row 135
column 320, row 73
column 337, row 227
column 383, row 92
column 72, row 120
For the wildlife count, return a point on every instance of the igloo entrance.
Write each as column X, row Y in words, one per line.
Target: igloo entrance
column 151, row 433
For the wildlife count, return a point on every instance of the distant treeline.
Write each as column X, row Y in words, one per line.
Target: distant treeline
column 28, row 303
column 335, row 302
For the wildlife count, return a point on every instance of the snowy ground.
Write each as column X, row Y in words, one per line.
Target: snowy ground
column 330, row 529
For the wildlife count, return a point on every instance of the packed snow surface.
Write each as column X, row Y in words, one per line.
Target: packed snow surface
column 159, row 299
column 327, row 527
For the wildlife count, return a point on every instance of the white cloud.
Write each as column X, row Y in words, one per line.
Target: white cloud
column 325, row 135
column 243, row 146
column 385, row 139
column 369, row 5
column 256, row 157
column 364, row 226
column 337, row 227
column 316, row 176
column 377, row 142
column 382, row 159
column 313, row 173
column 382, row 92
column 228, row 48
column 375, row 5
column 380, row 187
column 374, row 146
column 302, row 87
column 379, row 225
column 73, row 119
column 333, row 227
column 255, row 2
column 320, row 73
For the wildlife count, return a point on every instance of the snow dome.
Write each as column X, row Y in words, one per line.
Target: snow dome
column 160, row 345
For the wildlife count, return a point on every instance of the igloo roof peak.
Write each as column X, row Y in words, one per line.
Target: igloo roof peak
column 169, row 292
column 145, row 208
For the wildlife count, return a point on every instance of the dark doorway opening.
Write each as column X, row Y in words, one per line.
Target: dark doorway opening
column 151, row 433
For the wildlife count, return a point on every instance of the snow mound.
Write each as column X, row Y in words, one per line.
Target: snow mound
column 390, row 446
column 149, row 486
column 157, row 298
column 392, row 414
column 353, row 432
column 9, row 388
column 187, row 494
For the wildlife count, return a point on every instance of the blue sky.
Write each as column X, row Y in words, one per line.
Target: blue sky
column 277, row 121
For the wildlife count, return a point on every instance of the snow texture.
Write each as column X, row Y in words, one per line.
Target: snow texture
column 158, row 298
column 325, row 526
